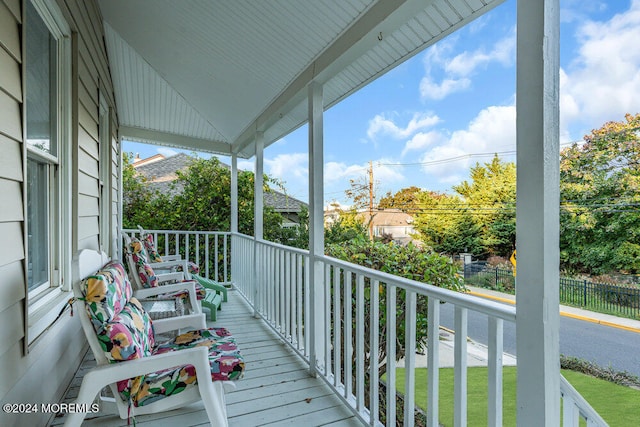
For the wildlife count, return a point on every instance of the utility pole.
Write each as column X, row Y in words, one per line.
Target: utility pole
column 370, row 200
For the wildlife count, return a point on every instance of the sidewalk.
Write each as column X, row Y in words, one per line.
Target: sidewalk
column 576, row 313
column 477, row 353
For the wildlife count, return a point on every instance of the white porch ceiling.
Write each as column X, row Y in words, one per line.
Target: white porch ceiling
column 206, row 74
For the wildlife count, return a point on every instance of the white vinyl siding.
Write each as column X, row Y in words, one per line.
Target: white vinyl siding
column 41, row 371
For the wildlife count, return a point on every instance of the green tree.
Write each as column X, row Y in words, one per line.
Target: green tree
column 479, row 218
column 600, row 195
column 405, row 199
column 410, row 262
column 491, row 196
column 204, row 202
column 137, row 197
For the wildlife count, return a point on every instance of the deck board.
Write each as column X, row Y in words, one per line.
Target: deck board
column 276, row 390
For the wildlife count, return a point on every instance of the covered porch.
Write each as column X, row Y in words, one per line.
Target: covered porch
column 231, row 78
column 274, row 313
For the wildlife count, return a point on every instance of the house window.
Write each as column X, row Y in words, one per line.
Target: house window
column 47, row 130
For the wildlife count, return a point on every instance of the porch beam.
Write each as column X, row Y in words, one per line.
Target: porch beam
column 537, row 219
column 316, row 222
column 174, row 140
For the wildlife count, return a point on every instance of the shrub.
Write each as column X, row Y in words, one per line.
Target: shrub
column 609, row 374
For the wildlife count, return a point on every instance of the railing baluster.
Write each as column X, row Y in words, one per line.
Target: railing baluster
column 281, row 299
column 460, row 374
column 337, row 328
column 307, row 299
column 327, row 317
column 348, row 335
column 570, row 413
column 197, row 249
column 186, row 246
column 360, row 342
column 410, row 359
column 299, row 310
column 166, row 243
column 293, row 288
column 494, row 371
column 433, row 357
column 391, row 356
column 225, row 259
column 206, row 255
column 374, row 339
column 287, row 295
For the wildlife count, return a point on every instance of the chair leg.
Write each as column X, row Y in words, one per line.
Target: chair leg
column 212, row 393
column 89, row 389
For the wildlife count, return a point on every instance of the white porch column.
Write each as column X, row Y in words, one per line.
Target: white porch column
column 316, row 224
column 537, row 220
column 237, row 268
column 258, row 225
column 234, row 193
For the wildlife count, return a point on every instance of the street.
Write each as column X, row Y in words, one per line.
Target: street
column 603, row 345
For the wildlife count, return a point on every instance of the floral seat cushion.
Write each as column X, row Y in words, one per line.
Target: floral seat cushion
column 225, row 360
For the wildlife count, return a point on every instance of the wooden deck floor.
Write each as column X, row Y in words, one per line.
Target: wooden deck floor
column 276, row 389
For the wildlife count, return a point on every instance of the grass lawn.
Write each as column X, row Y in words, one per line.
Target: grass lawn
column 618, row 405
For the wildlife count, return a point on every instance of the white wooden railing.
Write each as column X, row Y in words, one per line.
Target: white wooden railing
column 275, row 280
column 210, row 250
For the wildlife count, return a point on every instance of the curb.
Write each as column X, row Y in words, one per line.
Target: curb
column 563, row 313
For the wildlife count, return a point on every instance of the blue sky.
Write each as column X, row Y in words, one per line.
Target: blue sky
column 428, row 121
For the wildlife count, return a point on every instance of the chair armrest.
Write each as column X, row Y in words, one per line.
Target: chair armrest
column 189, row 286
column 113, row 372
column 196, row 321
column 165, row 277
column 168, row 264
column 171, row 258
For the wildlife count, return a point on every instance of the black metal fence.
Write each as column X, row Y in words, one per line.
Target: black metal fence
column 620, row 300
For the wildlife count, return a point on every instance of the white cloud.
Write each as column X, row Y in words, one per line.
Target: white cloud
column 422, row 140
column 492, row 130
column 432, row 90
column 338, row 171
column 602, row 83
column 288, row 166
column 458, row 69
column 381, row 125
column 246, row 165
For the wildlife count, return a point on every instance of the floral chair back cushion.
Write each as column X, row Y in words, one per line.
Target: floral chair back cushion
column 150, row 246
column 123, row 328
column 140, row 258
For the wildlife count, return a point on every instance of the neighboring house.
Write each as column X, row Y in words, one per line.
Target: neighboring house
column 392, row 222
column 161, row 175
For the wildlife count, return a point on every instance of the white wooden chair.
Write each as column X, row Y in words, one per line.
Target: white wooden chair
column 118, row 329
column 143, row 275
column 214, row 293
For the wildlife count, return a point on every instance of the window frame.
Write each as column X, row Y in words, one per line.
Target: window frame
column 45, row 301
column 105, row 173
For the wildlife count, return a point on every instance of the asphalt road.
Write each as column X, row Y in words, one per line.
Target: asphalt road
column 605, row 346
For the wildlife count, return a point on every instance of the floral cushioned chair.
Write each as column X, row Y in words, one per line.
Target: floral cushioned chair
column 215, row 293
column 154, row 257
column 146, row 376
column 143, row 275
